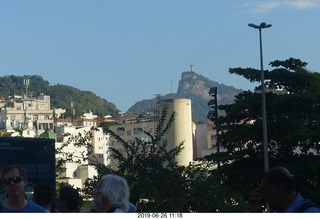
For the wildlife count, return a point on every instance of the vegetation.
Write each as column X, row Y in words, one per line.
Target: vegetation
column 141, row 163
column 61, row 95
column 158, row 184
column 293, row 122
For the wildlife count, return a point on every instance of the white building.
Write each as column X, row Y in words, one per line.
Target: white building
column 78, row 170
column 26, row 113
column 201, row 140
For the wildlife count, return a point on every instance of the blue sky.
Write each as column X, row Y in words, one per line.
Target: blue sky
column 129, row 50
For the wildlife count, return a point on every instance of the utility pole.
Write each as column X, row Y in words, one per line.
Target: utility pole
column 26, row 83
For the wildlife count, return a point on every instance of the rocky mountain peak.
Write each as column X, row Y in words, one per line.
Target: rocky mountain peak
column 195, row 87
column 192, row 83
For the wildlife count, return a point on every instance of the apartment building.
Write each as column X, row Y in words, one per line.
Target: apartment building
column 129, row 130
column 78, row 170
column 27, row 113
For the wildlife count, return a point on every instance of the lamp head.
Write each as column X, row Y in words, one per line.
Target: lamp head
column 261, row 26
column 254, row 26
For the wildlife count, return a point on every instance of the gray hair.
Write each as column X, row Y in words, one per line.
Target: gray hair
column 115, row 188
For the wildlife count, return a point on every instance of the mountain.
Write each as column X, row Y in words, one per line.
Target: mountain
column 191, row 85
column 195, row 87
column 60, row 95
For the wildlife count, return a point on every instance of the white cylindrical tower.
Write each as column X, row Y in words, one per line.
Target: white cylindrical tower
column 181, row 129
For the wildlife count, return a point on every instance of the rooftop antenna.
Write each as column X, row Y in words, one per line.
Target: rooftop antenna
column 73, row 111
column 26, row 83
column 191, row 67
column 171, row 85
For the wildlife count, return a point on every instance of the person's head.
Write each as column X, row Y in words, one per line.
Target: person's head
column 43, row 196
column 111, row 193
column 14, row 180
column 69, row 199
column 278, row 187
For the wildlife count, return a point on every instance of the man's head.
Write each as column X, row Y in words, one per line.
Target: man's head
column 112, row 192
column 43, row 196
column 278, row 187
column 14, row 180
column 69, row 199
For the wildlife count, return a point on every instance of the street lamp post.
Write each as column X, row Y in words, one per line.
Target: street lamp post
column 263, row 97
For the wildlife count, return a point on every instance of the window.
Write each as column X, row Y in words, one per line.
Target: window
column 144, row 139
column 136, row 131
column 130, row 141
column 120, row 132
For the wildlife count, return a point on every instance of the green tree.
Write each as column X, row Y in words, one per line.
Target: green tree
column 157, row 183
column 293, row 122
column 149, row 166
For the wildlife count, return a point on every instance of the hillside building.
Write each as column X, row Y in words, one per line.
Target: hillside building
column 30, row 114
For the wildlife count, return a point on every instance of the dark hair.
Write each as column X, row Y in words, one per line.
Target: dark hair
column 43, row 195
column 280, row 176
column 71, row 197
column 10, row 167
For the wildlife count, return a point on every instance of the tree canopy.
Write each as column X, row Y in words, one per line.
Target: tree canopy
column 293, row 122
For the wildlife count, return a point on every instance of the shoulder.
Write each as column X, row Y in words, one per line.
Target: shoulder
column 118, row 210
column 132, row 208
column 32, row 207
column 314, row 209
column 308, row 207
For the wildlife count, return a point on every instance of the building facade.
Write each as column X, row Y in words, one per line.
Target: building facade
column 26, row 113
column 129, row 131
column 78, row 169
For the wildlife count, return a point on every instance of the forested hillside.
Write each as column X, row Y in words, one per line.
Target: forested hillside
column 61, row 95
